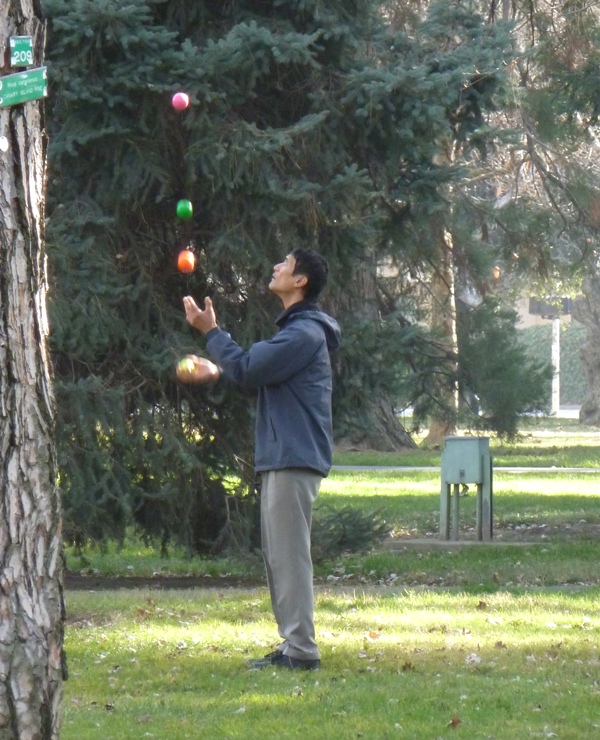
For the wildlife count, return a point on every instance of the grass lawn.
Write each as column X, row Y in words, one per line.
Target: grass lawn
column 541, row 442
column 418, row 640
column 422, row 663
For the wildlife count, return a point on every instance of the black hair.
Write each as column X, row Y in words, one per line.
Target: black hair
column 315, row 268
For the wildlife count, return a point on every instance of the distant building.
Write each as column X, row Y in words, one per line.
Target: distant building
column 534, row 312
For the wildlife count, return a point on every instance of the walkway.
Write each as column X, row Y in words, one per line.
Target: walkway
column 497, row 468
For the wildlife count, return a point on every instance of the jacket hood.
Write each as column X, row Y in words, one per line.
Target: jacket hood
column 310, row 310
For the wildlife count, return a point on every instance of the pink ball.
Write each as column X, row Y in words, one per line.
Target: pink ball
column 180, row 101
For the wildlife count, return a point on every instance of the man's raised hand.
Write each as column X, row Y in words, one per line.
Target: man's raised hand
column 205, row 320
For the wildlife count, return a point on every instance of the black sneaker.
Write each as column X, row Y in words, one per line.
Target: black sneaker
column 278, row 660
column 269, row 659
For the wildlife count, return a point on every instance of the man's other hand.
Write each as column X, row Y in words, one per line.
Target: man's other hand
column 194, row 369
column 205, row 320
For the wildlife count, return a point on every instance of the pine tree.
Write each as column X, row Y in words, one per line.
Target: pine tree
column 308, row 125
column 542, row 213
column 256, row 159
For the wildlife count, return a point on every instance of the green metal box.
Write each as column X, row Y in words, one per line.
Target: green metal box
column 463, row 459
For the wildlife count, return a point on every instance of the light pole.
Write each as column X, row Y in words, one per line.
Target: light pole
column 555, row 405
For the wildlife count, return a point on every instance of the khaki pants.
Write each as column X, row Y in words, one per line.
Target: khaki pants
column 287, row 498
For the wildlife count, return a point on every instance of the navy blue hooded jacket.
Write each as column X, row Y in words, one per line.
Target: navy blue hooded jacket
column 292, row 373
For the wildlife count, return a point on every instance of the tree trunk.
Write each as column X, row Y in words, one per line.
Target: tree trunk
column 381, row 430
column 384, row 433
column 31, row 588
column 443, row 322
column 587, row 312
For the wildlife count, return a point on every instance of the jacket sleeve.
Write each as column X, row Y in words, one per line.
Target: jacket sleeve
column 269, row 362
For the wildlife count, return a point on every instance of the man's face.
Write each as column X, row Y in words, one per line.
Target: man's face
column 284, row 282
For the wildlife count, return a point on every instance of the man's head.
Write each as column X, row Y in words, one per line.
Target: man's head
column 315, row 268
column 302, row 275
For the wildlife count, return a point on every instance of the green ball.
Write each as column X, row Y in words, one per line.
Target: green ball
column 185, row 209
column 187, row 365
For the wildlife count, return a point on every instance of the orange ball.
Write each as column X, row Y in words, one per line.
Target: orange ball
column 186, row 262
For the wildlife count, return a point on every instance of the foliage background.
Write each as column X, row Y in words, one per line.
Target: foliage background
column 537, row 341
column 349, row 128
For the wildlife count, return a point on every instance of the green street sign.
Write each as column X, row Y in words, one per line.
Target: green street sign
column 21, row 51
column 23, row 86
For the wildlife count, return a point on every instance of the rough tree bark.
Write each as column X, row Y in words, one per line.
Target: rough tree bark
column 382, row 430
column 587, row 312
column 31, row 587
column 443, row 320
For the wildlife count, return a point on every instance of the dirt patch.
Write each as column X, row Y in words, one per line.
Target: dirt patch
column 515, row 534
column 84, row 582
column 547, row 532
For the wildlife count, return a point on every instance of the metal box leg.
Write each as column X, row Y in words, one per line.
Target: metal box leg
column 478, row 512
column 445, row 512
column 487, row 509
column 455, row 507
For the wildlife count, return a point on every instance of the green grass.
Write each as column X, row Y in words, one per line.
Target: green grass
column 559, row 504
column 481, row 569
column 410, row 500
column 396, row 663
column 558, row 508
column 541, row 442
column 420, row 638
column 136, row 558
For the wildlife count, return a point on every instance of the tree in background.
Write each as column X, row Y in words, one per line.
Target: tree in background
column 31, row 590
column 542, row 208
column 587, row 312
column 527, row 205
column 453, row 255
column 569, row 114
column 308, row 126
column 489, row 355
